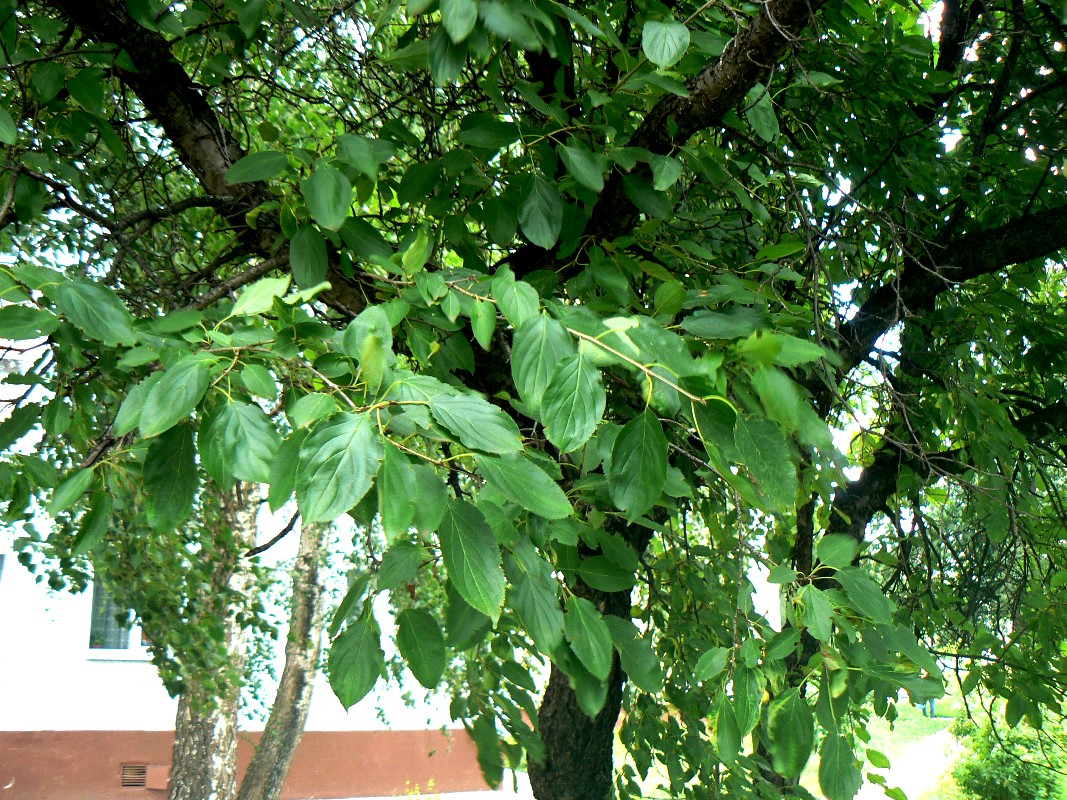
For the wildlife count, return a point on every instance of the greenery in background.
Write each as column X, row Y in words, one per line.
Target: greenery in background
column 575, row 301
column 1003, row 763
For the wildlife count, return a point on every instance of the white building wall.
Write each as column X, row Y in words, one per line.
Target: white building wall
column 51, row 680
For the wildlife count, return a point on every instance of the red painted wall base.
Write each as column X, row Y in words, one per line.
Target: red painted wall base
column 87, row 765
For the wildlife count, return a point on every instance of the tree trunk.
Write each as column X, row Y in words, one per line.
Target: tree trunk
column 579, row 762
column 579, row 751
column 285, row 726
column 205, row 747
column 204, row 763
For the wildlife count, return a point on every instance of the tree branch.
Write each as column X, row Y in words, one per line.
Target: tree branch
column 962, row 259
column 749, row 58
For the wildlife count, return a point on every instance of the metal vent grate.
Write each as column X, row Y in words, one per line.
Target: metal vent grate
column 134, row 774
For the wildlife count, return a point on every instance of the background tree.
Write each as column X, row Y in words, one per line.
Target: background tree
column 599, row 284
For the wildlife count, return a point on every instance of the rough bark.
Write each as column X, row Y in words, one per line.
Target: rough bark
column 285, row 726
column 579, row 757
column 204, row 763
column 579, row 762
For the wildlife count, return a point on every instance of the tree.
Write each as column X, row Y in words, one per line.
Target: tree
column 574, row 298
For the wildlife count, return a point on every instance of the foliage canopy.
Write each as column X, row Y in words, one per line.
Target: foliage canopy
column 591, row 308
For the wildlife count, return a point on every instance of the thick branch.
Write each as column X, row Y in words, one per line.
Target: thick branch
column 203, row 143
column 749, row 59
column 965, row 258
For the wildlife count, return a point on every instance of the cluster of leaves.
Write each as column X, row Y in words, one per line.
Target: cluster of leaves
column 566, row 298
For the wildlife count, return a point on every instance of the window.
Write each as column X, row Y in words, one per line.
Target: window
column 106, row 629
column 112, row 633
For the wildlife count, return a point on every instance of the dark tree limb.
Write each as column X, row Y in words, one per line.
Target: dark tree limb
column 962, row 259
column 721, row 87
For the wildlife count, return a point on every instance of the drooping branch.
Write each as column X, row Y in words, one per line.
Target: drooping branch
column 721, row 87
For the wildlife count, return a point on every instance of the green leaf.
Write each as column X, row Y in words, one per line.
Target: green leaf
column 174, row 396
column 604, row 574
column 369, row 339
column 586, row 167
column 665, row 172
column 18, row 323
column 472, row 558
column 763, row 448
column 711, row 664
column 727, row 734
column 433, row 499
column 796, row 351
column 338, row 462
column 483, row 322
column 836, row 550
column 258, row 297
column 664, row 42
column 541, row 214
column 238, row 442
column 760, row 114
column 417, row 253
column 96, row 311
column 748, row 695
column 639, row 661
column 818, row 613
column 68, row 492
column 781, row 574
column 307, row 254
column 537, row 347
column 259, row 381
column 328, row 195
column 477, row 423
column 257, row 167
column 791, row 737
column 130, row 411
column 94, row 524
column 365, row 154
column 534, row 594
column 356, row 662
column 283, row 470
column 8, row 129
column 573, row 403
column 458, row 18
column 588, row 636
column 400, row 564
column 518, row 300
column 421, row 643
column 780, row 397
column 525, row 483
column 839, row 777
column 735, row 324
column 638, row 470
column 310, row 408
column 865, row 594
column 398, row 493
column 170, row 479
column 878, row 759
